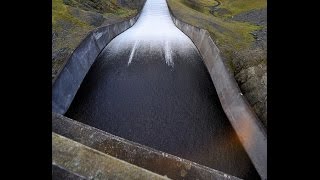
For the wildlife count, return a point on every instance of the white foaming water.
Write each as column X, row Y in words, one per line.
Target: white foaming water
column 154, row 31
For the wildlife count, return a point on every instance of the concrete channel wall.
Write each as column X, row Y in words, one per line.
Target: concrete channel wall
column 69, row 79
column 243, row 119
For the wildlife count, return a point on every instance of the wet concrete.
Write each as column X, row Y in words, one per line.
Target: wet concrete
column 158, row 92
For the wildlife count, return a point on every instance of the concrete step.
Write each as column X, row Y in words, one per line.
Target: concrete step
column 77, row 161
column 145, row 157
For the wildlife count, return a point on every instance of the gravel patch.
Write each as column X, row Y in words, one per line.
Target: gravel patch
column 258, row 17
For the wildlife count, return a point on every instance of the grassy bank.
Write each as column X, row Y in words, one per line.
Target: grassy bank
column 226, row 32
column 72, row 20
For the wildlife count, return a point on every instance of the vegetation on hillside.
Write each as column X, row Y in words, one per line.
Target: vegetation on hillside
column 229, row 35
column 236, row 7
column 66, row 28
column 73, row 19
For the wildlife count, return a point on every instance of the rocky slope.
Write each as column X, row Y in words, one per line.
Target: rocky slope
column 239, row 28
column 73, row 19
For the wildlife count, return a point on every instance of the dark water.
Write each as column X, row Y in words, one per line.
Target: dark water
column 172, row 109
column 149, row 85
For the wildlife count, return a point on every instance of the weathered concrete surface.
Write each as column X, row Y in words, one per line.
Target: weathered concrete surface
column 68, row 80
column 92, row 164
column 134, row 153
column 245, row 122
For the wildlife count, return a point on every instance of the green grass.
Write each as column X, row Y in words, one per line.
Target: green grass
column 60, row 12
column 202, row 6
column 239, row 6
column 233, row 7
column 232, row 37
column 69, row 30
column 125, row 13
column 232, row 33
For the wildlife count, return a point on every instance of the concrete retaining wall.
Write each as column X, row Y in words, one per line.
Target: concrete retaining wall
column 145, row 157
column 78, row 160
column 68, row 80
column 243, row 119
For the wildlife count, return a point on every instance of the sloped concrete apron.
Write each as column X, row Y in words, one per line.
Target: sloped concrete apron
column 243, row 119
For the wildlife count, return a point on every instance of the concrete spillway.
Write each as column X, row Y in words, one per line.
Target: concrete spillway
column 154, row 33
column 150, row 85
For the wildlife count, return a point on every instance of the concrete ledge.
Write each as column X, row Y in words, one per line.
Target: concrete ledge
column 82, row 161
column 134, row 153
column 243, row 119
column 70, row 77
